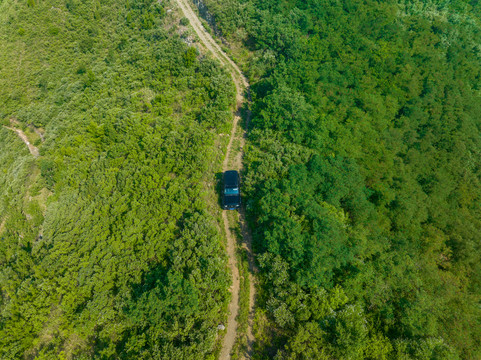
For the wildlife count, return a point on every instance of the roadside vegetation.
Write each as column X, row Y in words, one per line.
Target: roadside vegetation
column 363, row 175
column 107, row 250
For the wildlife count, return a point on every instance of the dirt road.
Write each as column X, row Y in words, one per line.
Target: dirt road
column 232, row 161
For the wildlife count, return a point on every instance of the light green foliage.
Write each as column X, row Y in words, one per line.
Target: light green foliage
column 363, row 174
column 107, row 249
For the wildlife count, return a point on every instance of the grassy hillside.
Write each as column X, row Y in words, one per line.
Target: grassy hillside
column 363, row 175
column 106, row 247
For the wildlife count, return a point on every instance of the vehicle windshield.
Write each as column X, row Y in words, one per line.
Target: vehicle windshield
column 232, row 191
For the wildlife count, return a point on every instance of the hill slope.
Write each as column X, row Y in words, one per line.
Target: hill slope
column 107, row 248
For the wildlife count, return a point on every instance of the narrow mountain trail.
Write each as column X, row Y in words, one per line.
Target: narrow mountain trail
column 33, row 150
column 232, row 161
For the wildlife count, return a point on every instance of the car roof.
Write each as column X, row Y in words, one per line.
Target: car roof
column 231, row 177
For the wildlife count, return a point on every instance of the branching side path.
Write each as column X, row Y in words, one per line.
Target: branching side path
column 33, row 150
column 231, row 161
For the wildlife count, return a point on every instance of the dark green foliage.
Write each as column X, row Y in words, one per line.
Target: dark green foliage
column 364, row 174
column 304, row 223
column 107, row 250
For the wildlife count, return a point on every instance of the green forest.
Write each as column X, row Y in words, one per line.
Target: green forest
column 107, row 247
column 362, row 180
column 363, row 175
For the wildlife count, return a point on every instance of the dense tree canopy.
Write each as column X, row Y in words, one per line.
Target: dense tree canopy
column 363, row 175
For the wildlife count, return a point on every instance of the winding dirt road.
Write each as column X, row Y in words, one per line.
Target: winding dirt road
column 232, row 161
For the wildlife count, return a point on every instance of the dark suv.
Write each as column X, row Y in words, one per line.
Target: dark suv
column 231, row 198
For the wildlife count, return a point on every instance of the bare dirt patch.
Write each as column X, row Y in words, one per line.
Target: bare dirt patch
column 2, row 225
